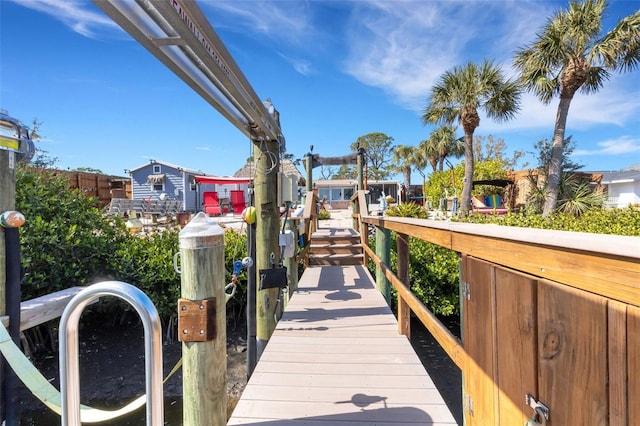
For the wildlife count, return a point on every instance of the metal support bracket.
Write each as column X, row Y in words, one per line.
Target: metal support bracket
column 537, row 406
column 197, row 320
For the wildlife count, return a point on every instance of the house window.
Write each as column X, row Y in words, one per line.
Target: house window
column 336, row 194
column 156, row 168
column 323, row 194
column 348, row 193
column 158, row 187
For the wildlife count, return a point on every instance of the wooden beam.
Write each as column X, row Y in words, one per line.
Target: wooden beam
column 607, row 265
column 45, row 308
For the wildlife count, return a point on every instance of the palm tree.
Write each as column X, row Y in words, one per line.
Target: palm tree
column 570, row 55
column 446, row 144
column 428, row 152
column 458, row 96
column 404, row 157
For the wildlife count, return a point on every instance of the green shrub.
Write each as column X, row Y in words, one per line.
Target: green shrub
column 407, row 210
column 433, row 274
column 324, row 214
column 65, row 241
column 625, row 221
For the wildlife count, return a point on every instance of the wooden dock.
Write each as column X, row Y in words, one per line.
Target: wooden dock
column 336, row 358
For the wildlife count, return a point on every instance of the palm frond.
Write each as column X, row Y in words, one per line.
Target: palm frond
column 619, row 49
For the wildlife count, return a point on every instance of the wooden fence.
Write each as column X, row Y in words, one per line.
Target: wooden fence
column 551, row 314
column 103, row 187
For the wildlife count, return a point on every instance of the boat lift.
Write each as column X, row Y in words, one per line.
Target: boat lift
column 14, row 137
column 180, row 36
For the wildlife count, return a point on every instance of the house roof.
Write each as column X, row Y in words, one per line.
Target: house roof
column 350, row 182
column 174, row 166
column 288, row 168
column 223, row 180
column 620, row 177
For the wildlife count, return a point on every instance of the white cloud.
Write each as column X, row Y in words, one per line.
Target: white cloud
column 301, row 66
column 202, row 148
column 619, row 146
column 404, row 47
column 75, row 14
column 289, row 21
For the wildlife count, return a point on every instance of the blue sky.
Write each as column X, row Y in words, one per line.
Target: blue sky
column 335, row 70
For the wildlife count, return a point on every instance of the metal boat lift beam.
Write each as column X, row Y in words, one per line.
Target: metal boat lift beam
column 180, row 36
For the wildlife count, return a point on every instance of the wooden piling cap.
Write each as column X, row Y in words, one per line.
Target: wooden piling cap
column 201, row 232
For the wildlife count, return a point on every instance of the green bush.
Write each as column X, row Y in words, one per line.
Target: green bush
column 67, row 241
column 433, row 274
column 407, row 210
column 625, row 221
column 324, row 214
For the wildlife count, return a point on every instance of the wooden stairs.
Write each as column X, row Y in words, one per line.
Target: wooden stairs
column 336, row 246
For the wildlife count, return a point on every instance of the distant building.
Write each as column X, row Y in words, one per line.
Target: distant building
column 338, row 192
column 162, row 180
column 623, row 188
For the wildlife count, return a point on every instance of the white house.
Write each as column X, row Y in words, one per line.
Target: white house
column 623, row 188
column 338, row 192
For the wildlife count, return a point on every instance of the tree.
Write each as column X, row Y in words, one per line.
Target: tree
column 345, row 172
column 544, row 150
column 458, row 96
column 42, row 159
column 88, row 170
column 378, row 148
column 404, row 158
column 429, row 154
column 570, row 54
column 492, row 148
column 575, row 194
column 326, row 172
column 445, row 144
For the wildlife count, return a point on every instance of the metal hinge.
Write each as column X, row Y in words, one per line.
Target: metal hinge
column 469, row 404
column 466, row 290
column 537, row 406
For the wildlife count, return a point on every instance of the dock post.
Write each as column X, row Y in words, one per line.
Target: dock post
column 404, row 312
column 202, row 324
column 383, row 251
column 7, row 202
column 267, row 228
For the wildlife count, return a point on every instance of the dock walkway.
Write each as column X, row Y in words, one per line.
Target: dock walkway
column 336, row 358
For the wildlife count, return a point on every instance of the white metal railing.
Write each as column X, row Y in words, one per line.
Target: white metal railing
column 69, row 358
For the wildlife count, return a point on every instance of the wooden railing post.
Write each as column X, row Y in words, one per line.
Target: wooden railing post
column 383, row 251
column 291, row 263
column 404, row 312
column 363, row 228
column 202, row 323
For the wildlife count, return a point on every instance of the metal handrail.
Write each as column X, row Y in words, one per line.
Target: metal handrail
column 69, row 357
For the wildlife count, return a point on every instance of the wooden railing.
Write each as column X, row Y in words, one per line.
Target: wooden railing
column 553, row 314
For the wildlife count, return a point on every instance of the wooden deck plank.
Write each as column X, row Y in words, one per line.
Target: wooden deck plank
column 336, row 359
column 423, row 414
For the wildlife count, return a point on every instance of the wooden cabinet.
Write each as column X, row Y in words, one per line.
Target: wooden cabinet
column 576, row 352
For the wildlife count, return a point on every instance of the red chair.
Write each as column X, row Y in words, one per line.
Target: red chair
column 237, row 201
column 211, row 203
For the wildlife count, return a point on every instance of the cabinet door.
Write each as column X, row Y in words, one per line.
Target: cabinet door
column 572, row 351
column 517, row 350
column 479, row 338
column 633, row 364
